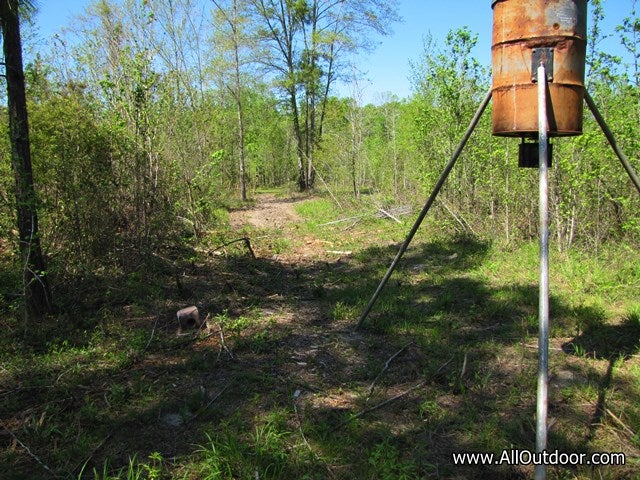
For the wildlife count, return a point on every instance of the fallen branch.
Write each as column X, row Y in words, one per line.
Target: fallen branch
column 192, row 337
column 199, row 412
column 386, row 367
column 20, row 389
column 464, row 366
column 382, row 404
column 387, row 214
column 393, row 399
column 466, row 227
column 353, row 224
column 620, row 423
column 29, row 452
column 341, row 220
column 91, row 455
column 392, row 213
column 444, row 365
column 223, row 345
column 209, row 335
column 397, row 211
column 296, row 396
column 246, row 241
column 328, row 189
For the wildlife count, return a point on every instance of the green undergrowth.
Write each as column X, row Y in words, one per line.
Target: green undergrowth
column 277, row 384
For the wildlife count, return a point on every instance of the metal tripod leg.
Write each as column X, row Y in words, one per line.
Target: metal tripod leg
column 612, row 141
column 426, row 208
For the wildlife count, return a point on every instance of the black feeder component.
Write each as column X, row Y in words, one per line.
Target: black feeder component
column 528, row 154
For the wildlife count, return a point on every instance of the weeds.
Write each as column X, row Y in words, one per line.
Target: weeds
column 263, row 455
column 152, row 469
column 386, row 463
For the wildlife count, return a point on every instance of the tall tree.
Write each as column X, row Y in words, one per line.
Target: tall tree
column 121, row 67
column 233, row 40
column 307, row 43
column 36, row 287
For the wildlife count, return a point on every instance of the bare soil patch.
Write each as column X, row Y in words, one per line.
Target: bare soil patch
column 272, row 213
column 269, row 211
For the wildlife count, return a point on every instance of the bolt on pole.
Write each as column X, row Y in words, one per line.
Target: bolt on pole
column 543, row 340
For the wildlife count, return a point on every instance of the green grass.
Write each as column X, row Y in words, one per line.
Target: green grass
column 151, row 469
column 317, row 212
column 386, row 462
column 356, row 222
column 92, row 391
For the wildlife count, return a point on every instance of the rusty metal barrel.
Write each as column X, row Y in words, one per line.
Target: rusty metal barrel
column 526, row 32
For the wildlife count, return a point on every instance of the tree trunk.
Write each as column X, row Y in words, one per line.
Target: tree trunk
column 243, row 174
column 297, row 132
column 311, row 90
column 36, row 288
column 238, row 93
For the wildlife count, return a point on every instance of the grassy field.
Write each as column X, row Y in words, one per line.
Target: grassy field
column 278, row 385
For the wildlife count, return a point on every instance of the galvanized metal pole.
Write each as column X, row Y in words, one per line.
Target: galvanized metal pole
column 612, row 141
column 425, row 209
column 543, row 340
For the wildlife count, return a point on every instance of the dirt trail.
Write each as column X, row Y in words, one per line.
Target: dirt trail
column 269, row 211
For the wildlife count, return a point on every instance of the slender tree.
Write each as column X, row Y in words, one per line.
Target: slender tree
column 235, row 38
column 307, row 43
column 36, row 288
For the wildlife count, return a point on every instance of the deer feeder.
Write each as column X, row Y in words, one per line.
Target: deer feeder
column 526, row 33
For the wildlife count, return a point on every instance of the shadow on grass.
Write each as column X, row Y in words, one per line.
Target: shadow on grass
column 463, row 378
column 606, row 342
column 613, row 343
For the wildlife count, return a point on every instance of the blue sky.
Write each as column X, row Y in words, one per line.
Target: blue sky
column 387, row 69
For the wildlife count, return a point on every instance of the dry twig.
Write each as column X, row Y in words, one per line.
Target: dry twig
column 464, row 366
column 392, row 213
column 381, row 404
column 246, row 241
column 620, row 423
column 466, row 227
column 357, row 217
column 387, row 214
column 153, row 331
column 29, row 452
column 392, row 399
column 386, row 367
column 93, row 452
column 353, row 224
column 203, row 409
column 296, row 396
column 223, row 345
